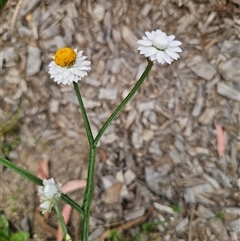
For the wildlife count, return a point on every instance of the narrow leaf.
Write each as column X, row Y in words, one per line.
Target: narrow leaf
column 66, row 212
column 38, row 181
column 21, row 171
column 2, row 4
column 20, row 236
column 220, row 140
column 73, row 185
column 43, row 170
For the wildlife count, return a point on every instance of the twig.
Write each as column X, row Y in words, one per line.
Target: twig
column 190, row 224
column 14, row 18
column 215, row 40
column 127, row 225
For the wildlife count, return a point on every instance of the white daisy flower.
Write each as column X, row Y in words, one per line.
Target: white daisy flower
column 50, row 193
column 156, row 45
column 68, row 65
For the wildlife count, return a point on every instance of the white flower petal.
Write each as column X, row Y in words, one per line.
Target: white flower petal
column 150, row 35
column 166, row 58
column 45, row 206
column 151, row 51
column 175, row 43
column 145, row 42
column 40, row 189
column 176, row 49
column 64, row 81
column 146, row 38
column 143, row 50
column 159, row 57
column 49, row 193
column 172, row 54
column 156, row 45
column 171, row 37
column 74, row 73
column 158, row 31
column 153, row 57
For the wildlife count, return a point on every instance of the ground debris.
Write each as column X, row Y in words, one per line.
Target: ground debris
column 162, row 149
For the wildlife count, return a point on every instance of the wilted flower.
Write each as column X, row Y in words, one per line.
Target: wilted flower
column 68, row 65
column 156, row 45
column 50, row 193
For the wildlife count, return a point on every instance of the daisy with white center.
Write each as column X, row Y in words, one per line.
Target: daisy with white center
column 68, row 65
column 50, row 193
column 156, row 45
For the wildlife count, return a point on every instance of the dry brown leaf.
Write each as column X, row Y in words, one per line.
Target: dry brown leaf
column 220, row 140
column 43, row 169
column 73, row 185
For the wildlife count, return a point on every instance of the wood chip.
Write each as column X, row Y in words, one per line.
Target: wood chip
column 203, row 69
column 108, row 94
column 182, row 225
column 33, row 60
column 198, row 103
column 228, row 92
column 163, row 208
column 135, row 214
column 230, row 69
column 129, row 176
column 235, row 225
column 129, row 37
column 113, row 193
column 207, row 116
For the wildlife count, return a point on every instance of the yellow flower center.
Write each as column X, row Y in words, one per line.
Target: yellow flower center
column 65, row 57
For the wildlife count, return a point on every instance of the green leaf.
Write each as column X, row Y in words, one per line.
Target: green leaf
column 176, row 208
column 113, row 236
column 220, row 216
column 2, row 4
column 4, row 228
column 3, row 236
column 23, row 172
column 19, row 236
column 147, row 227
column 28, row 175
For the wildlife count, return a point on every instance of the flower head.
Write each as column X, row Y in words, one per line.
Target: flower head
column 156, row 45
column 50, row 193
column 68, row 65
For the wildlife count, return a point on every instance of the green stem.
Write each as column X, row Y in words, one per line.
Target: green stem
column 28, row 175
column 123, row 103
column 73, row 204
column 88, row 194
column 84, row 115
column 61, row 220
column 91, row 166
